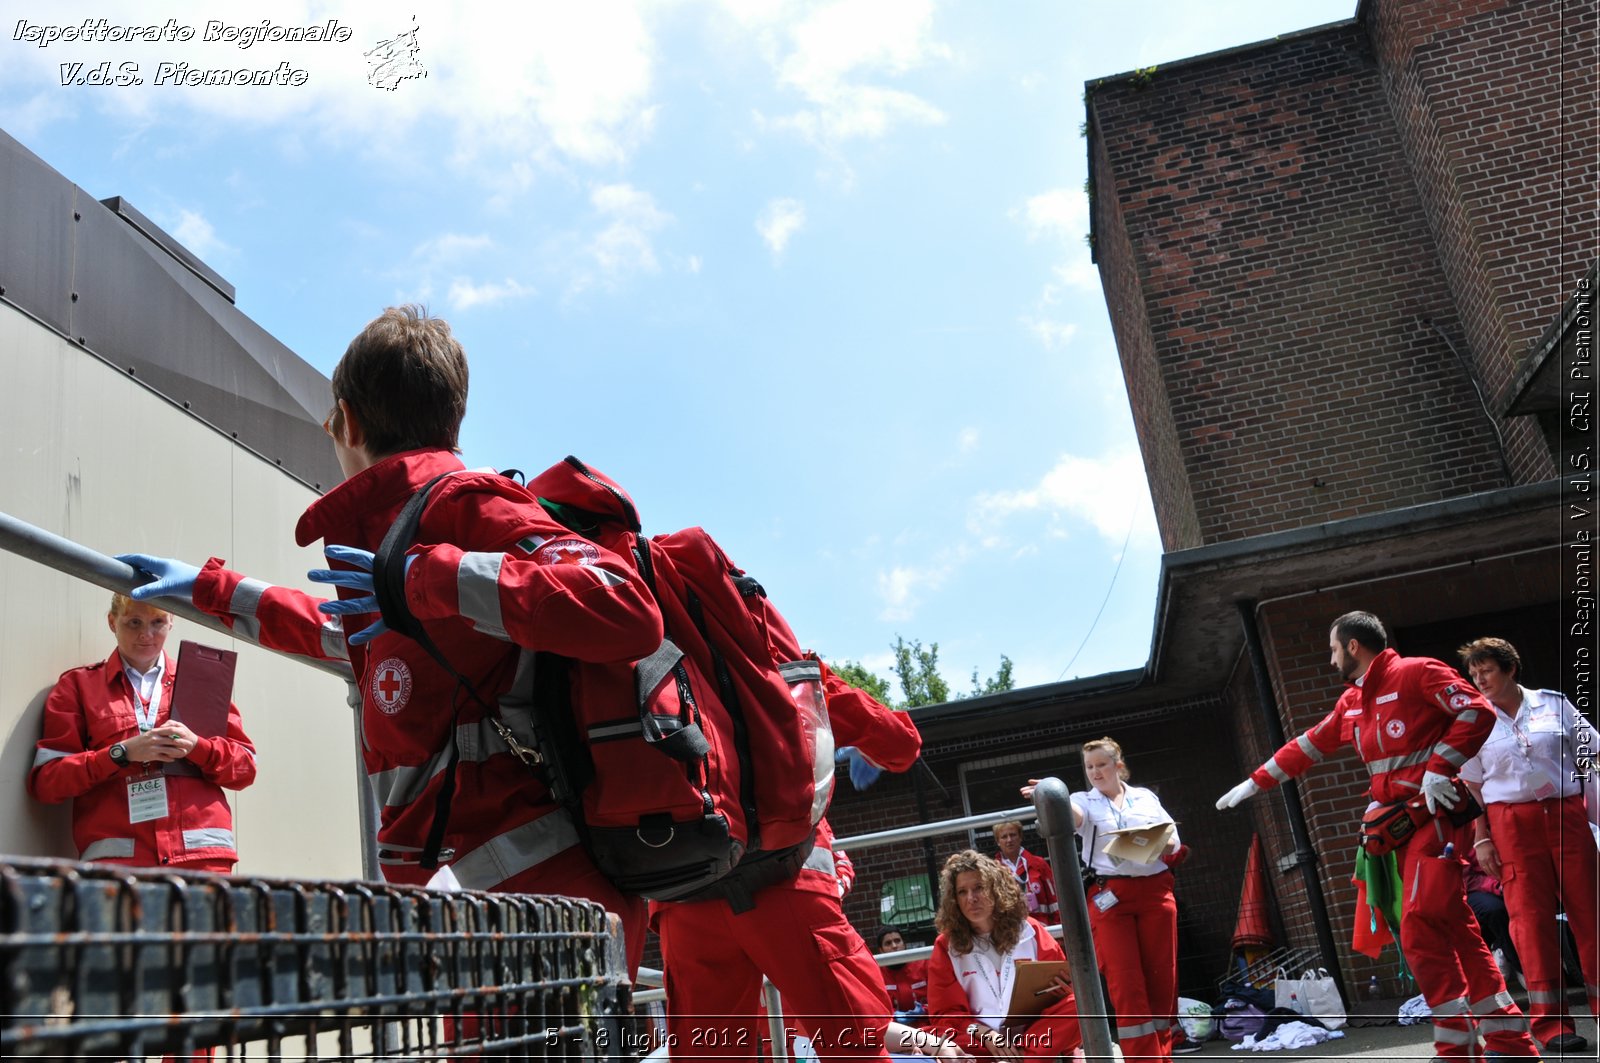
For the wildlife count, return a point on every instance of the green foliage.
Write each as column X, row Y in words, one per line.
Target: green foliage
column 1142, row 77
column 995, row 684
column 918, row 670
column 856, row 674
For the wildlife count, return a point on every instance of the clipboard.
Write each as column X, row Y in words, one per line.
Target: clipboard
column 1032, row 976
column 202, row 693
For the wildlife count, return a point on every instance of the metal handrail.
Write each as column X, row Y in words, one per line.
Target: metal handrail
column 932, row 830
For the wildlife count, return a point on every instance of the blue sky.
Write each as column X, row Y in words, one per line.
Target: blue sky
column 810, row 275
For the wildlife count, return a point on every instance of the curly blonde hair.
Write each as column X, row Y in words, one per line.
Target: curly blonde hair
column 1010, row 910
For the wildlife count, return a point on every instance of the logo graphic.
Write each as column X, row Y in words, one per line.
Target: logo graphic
column 1394, row 728
column 391, row 685
column 567, row 552
column 395, row 60
column 1460, row 701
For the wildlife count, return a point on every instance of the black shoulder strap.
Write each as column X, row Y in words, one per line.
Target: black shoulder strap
column 389, row 566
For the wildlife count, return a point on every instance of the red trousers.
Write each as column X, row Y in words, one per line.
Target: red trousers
column 800, row 940
column 1548, row 857
column 1136, row 943
column 1452, row 965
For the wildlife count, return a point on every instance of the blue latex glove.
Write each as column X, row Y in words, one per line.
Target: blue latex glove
column 173, row 579
column 863, row 773
column 359, row 579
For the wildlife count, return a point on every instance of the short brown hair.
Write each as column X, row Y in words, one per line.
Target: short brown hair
column 1003, row 824
column 405, row 378
column 1499, row 651
column 1010, row 910
column 121, row 602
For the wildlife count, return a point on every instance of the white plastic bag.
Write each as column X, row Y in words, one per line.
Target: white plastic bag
column 1313, row 994
column 1195, row 1018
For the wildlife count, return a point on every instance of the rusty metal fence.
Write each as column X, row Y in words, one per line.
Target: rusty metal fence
column 108, row 962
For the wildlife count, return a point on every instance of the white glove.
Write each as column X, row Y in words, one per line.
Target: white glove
column 1439, row 790
column 1238, row 795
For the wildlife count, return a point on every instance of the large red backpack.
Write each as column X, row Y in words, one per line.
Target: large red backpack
column 712, row 754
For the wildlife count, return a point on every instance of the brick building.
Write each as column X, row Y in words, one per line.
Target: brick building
column 1350, row 273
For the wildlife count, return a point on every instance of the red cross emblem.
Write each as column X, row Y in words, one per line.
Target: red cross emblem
column 391, row 685
column 567, row 552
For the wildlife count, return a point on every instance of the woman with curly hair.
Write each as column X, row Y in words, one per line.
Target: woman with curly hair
column 984, row 929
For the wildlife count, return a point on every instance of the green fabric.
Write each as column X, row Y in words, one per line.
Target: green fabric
column 1384, row 889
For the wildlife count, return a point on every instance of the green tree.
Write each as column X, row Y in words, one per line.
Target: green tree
column 1000, row 681
column 857, row 675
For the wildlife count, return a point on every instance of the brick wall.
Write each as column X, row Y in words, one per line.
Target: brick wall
column 1495, row 104
column 1180, row 751
column 1278, row 253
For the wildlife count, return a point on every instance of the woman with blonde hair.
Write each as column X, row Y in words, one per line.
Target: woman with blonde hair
column 1132, row 914
column 984, row 929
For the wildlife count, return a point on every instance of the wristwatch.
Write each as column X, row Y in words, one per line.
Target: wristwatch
column 119, row 754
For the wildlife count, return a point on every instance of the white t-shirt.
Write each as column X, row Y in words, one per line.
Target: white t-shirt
column 1140, row 808
column 1530, row 756
column 988, row 976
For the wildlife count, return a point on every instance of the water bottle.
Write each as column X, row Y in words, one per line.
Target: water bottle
column 1374, row 990
column 1449, row 851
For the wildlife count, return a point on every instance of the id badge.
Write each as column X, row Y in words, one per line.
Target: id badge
column 147, row 799
column 1104, row 900
column 1544, row 787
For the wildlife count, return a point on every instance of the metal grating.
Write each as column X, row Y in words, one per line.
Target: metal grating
column 118, row 963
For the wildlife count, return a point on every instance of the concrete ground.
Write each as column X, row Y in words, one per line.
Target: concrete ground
column 1374, row 1034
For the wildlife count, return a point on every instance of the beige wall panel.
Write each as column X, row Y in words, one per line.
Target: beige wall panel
column 89, row 454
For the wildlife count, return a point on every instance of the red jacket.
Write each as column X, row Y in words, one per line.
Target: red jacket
column 1410, row 715
column 1038, row 884
column 493, row 574
column 90, row 710
column 907, row 984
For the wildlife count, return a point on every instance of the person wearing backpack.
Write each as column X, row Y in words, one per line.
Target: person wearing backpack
column 492, row 575
column 715, row 950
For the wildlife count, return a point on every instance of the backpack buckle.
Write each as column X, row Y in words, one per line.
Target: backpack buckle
column 527, row 754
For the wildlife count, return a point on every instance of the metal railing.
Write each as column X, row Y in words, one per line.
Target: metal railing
column 119, row 963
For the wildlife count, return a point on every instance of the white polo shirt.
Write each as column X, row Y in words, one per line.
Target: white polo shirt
column 1140, row 808
column 1530, row 756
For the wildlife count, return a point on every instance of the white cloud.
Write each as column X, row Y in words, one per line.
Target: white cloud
column 1060, row 214
column 197, row 234
column 781, row 219
column 1104, row 492
column 903, row 587
column 1052, row 334
column 464, row 294
column 450, row 247
column 835, row 56
column 967, row 440
column 626, row 243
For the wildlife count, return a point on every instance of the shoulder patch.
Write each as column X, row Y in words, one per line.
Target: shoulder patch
column 391, row 685
column 568, row 551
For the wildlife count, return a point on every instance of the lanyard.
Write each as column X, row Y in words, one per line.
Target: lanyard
column 144, row 709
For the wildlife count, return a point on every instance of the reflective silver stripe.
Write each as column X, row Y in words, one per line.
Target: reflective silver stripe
column 1275, row 771
column 208, row 837
column 610, row 579
column 45, row 756
column 1490, row 1003
column 403, row 784
column 1467, row 715
column 622, row 729
column 333, row 644
column 246, row 600
column 1507, row 1024
column 478, row 592
column 1144, row 1029
column 1458, row 1006
column 1541, row 996
column 1450, row 753
column 1308, row 747
column 1446, row 1035
column 1383, row 764
column 515, row 851
column 247, row 627
column 820, row 859
column 800, row 672
column 1593, row 990
column 109, row 849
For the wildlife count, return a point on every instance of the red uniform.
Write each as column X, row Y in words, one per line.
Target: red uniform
column 907, row 984
column 1531, row 780
column 958, row 981
column 1411, row 715
column 493, row 574
column 1038, row 884
column 795, row 933
column 91, row 709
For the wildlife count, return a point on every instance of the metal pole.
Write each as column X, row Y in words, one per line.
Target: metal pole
column 1051, row 799
column 1305, row 857
column 932, row 830
column 64, row 555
